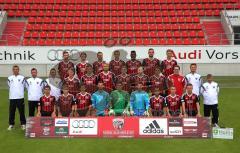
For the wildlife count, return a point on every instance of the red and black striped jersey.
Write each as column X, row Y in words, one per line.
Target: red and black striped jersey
column 190, row 101
column 81, row 69
column 65, row 103
column 173, row 102
column 157, row 103
column 98, row 67
column 167, row 67
column 125, row 79
column 159, row 82
column 116, row 66
column 47, row 103
column 150, row 65
column 140, row 78
column 83, row 100
column 63, row 68
column 132, row 67
column 108, row 79
column 90, row 83
column 73, row 85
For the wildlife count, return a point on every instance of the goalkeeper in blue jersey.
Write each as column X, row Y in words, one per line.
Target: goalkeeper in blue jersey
column 139, row 102
column 100, row 100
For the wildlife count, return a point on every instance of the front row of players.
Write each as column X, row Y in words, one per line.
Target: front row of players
column 119, row 103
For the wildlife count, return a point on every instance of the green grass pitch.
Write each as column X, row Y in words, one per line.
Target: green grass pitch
column 229, row 105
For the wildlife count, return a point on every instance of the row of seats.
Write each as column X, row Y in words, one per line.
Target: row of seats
column 114, row 1
column 115, row 34
column 86, row 42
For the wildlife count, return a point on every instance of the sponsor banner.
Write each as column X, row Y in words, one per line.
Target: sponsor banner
column 183, row 54
column 61, row 122
column 175, row 122
column 153, row 126
column 175, row 130
column 190, row 122
column 83, row 126
column 222, row 133
column 233, row 16
column 61, row 131
column 118, row 127
column 46, row 121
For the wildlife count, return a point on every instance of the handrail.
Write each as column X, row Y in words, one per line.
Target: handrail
column 5, row 38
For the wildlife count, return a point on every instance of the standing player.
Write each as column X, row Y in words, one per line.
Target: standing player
column 34, row 86
column 133, row 64
column 119, row 104
column 150, row 63
column 168, row 64
column 54, row 83
column 83, row 100
column 190, row 103
column 90, row 80
column 158, row 80
column 194, row 78
column 140, row 77
column 139, row 102
column 107, row 77
column 157, row 104
column 116, row 64
column 64, row 65
column 66, row 103
column 72, row 82
column 100, row 100
column 81, row 66
column 16, row 84
column 125, row 79
column 47, row 104
column 177, row 81
column 98, row 65
column 210, row 92
column 173, row 102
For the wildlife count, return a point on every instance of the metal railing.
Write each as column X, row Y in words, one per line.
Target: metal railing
column 5, row 39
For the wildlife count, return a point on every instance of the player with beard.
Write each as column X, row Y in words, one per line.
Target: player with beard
column 150, row 63
column 125, row 79
column 133, row 64
column 107, row 77
column 90, row 80
column 81, row 66
column 116, row 64
column 64, row 66
column 72, row 82
column 98, row 65
column 140, row 77
column 168, row 64
column 157, row 104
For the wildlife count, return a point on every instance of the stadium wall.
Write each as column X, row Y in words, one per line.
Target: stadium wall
column 218, row 60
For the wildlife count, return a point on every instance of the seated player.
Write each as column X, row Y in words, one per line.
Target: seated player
column 100, row 100
column 140, row 77
column 66, row 103
column 46, row 105
column 89, row 80
column 173, row 102
column 124, row 78
column 157, row 104
column 107, row 77
column 83, row 100
column 119, row 101
column 190, row 103
column 139, row 102
column 72, row 82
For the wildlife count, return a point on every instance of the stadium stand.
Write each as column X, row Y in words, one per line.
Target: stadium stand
column 91, row 22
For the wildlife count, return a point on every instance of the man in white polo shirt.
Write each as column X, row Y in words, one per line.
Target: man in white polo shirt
column 34, row 86
column 16, row 84
column 194, row 78
column 210, row 91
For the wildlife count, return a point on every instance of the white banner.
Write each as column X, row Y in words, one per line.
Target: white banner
column 233, row 16
column 83, row 126
column 183, row 54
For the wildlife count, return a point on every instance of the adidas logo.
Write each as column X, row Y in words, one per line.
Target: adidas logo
column 153, row 128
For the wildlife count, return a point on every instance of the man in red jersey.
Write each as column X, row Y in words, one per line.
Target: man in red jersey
column 158, row 80
column 98, row 65
column 157, row 104
column 81, row 66
column 140, row 77
column 177, row 80
column 72, row 82
column 66, row 103
column 46, row 105
column 64, row 66
column 190, row 103
column 83, row 100
column 150, row 63
column 90, row 80
column 168, row 64
column 125, row 79
column 116, row 64
column 133, row 64
column 173, row 102
column 107, row 77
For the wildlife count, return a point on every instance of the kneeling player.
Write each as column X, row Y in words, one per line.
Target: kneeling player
column 139, row 102
column 46, row 105
column 66, row 103
column 119, row 101
column 173, row 102
column 157, row 104
column 190, row 103
column 83, row 100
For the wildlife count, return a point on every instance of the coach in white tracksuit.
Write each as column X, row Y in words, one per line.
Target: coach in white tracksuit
column 34, row 86
column 16, row 84
column 210, row 91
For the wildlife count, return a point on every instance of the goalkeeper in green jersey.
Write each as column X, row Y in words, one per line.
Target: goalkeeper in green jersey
column 119, row 104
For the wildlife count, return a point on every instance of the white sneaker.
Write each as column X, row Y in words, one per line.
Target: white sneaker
column 10, row 128
column 23, row 127
column 216, row 125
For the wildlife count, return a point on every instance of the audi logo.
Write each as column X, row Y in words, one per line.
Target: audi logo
column 83, row 124
column 56, row 54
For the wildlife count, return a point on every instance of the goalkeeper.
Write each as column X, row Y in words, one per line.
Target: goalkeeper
column 119, row 104
column 139, row 102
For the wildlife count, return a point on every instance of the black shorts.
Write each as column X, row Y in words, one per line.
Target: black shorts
column 157, row 112
column 191, row 113
column 46, row 114
column 174, row 113
column 82, row 112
